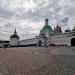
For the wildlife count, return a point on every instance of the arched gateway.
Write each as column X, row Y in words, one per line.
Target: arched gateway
column 73, row 42
column 40, row 43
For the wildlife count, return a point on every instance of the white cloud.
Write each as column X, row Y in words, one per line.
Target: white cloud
column 28, row 15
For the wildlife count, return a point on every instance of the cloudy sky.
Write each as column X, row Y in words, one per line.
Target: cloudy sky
column 27, row 16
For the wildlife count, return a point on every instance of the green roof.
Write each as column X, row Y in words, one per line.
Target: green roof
column 47, row 27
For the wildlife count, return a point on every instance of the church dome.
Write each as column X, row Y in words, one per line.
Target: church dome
column 46, row 26
column 14, row 35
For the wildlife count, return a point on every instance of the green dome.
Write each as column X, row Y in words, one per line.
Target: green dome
column 47, row 27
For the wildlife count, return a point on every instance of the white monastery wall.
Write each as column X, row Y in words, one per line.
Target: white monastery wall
column 29, row 41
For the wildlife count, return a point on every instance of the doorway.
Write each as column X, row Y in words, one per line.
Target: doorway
column 40, row 43
column 73, row 42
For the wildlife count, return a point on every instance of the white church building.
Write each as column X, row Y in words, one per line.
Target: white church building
column 47, row 37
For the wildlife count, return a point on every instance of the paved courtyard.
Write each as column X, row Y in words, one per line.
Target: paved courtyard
column 36, row 61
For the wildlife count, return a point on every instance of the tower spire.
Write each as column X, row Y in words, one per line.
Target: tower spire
column 15, row 31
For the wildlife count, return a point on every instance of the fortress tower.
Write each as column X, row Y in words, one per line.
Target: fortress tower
column 14, row 39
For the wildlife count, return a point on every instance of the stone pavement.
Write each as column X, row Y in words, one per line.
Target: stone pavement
column 63, row 51
column 64, row 58
column 35, row 61
column 65, row 63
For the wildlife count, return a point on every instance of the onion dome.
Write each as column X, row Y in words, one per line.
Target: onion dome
column 14, row 35
column 57, row 29
column 46, row 26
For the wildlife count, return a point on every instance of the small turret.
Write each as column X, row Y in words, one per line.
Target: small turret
column 73, row 29
column 67, row 30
